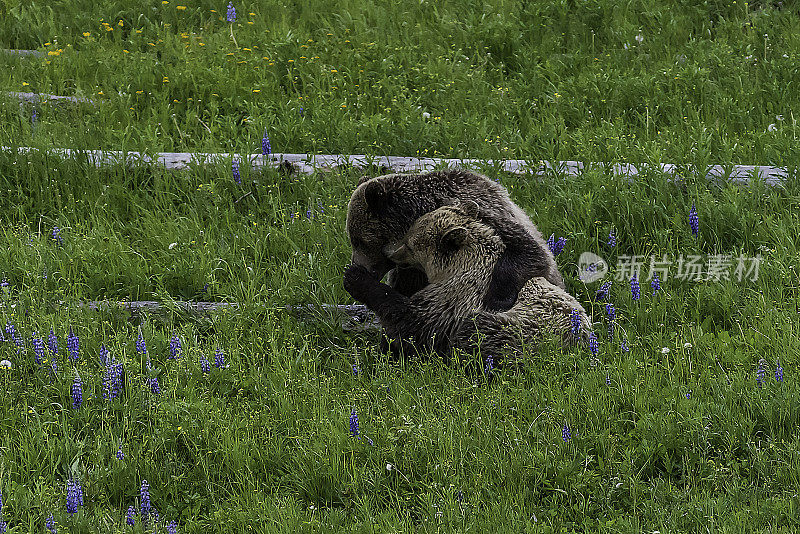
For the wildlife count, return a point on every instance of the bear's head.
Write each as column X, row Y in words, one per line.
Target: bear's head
column 449, row 241
column 380, row 212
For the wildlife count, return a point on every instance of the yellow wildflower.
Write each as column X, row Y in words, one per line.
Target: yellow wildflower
column 180, row 8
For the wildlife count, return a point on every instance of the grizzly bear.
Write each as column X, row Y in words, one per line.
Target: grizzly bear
column 382, row 209
column 458, row 253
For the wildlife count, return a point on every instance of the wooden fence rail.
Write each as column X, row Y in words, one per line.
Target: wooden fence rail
column 308, row 163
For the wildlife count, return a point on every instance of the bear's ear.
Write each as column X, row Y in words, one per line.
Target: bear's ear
column 363, row 179
column 470, row 208
column 453, row 240
column 376, row 195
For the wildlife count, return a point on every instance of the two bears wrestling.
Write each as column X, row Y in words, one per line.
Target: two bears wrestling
column 467, row 269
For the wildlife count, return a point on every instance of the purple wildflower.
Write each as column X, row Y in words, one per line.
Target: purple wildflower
column 354, row 423
column 50, row 525
column 74, row 496
column 689, row 394
column 266, row 147
column 612, row 239
column 172, row 528
column 52, row 344
column 575, row 320
column 4, row 283
column 55, row 235
column 608, row 380
column 593, row 347
column 760, row 372
column 175, row 347
column 77, row 392
column 204, row 365
column 489, row 367
column 231, row 12
column 556, row 246
column 566, row 433
column 154, row 387
column 611, row 313
column 112, row 379
column 694, row 221
column 356, row 368
column 302, row 112
column 38, row 348
column 655, row 284
column 103, row 355
column 779, row 372
column 130, row 518
column 144, row 497
column 236, row 175
column 219, row 359
column 3, row 527
column 12, row 333
column 635, row 290
column 73, row 346
column 120, row 454
column 623, row 345
column 602, row 293
column 141, row 346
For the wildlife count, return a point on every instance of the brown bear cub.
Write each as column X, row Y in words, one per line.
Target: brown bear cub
column 382, row 210
column 458, row 253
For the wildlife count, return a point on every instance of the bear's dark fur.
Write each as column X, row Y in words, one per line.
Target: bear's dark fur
column 382, row 210
column 458, row 253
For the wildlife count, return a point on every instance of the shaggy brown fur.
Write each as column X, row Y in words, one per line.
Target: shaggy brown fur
column 382, row 210
column 457, row 252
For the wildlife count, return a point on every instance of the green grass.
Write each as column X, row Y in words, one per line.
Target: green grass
column 264, row 445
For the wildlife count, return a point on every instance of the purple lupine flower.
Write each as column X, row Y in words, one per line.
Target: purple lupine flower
column 236, row 175
column 354, row 423
column 356, row 368
column 635, row 290
column 266, row 147
column 302, row 112
column 172, row 527
column 120, row 453
column 689, row 394
column 175, row 347
column 204, row 365
column 34, row 116
column 4, row 283
column 623, row 345
column 50, row 525
column 38, row 348
column 154, row 387
column 55, row 235
column 12, row 333
column 219, row 359
column 77, row 392
column 694, row 220
column 53, row 368
column 130, row 518
column 556, row 246
column 104, row 355
column 611, row 313
column 655, row 284
column 489, row 367
column 73, row 346
column 1, row 502
column 74, row 496
column 566, row 433
column 144, row 498
column 612, row 239
column 112, row 379
column 3, row 527
column 231, row 12
column 141, row 346
column 575, row 321
column 779, row 372
column 761, row 372
column 602, row 293
column 148, row 364
column 593, row 347
column 608, row 380
column 52, row 344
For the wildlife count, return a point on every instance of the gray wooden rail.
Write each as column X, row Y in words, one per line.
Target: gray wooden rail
column 19, row 52
column 350, row 316
column 37, row 98
column 308, row 163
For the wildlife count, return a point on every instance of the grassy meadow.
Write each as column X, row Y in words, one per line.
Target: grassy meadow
column 685, row 420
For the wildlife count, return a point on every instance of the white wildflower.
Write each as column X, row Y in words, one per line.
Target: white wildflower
column 172, row 245
column 664, row 350
column 772, row 127
column 639, row 38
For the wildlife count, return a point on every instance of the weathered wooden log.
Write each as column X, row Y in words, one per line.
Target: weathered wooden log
column 20, row 52
column 39, row 98
column 307, row 164
column 350, row 316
